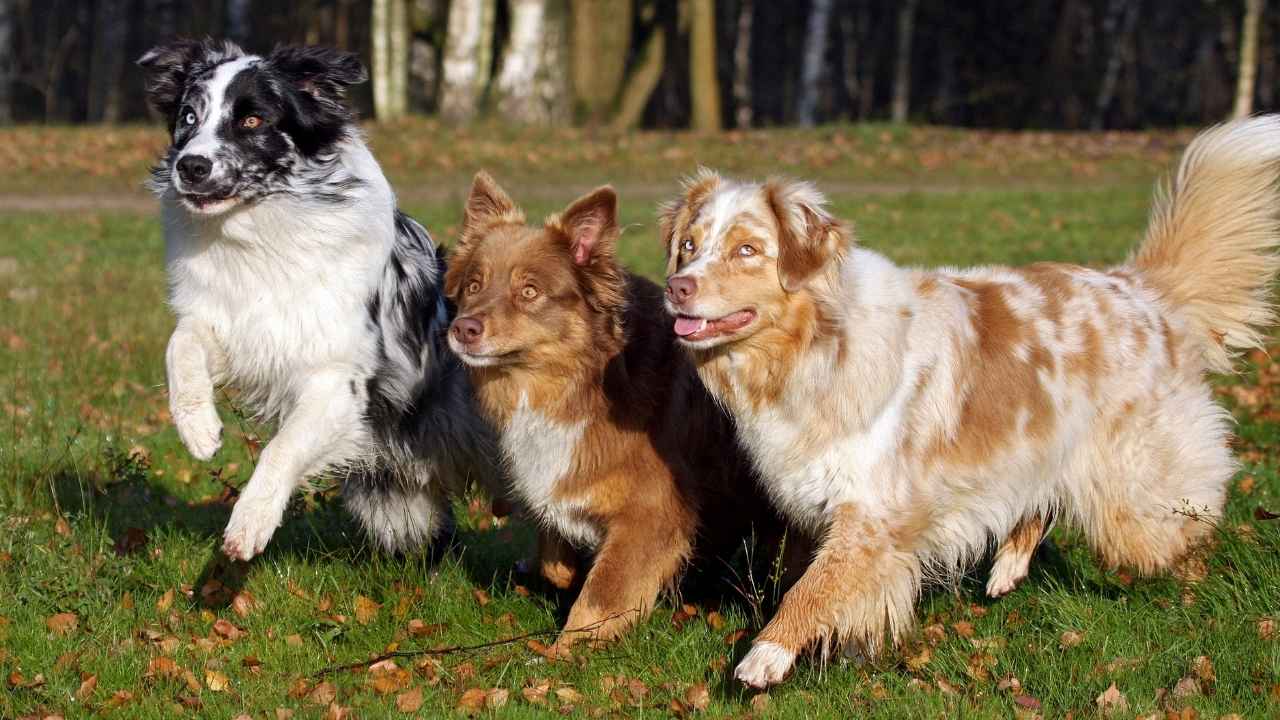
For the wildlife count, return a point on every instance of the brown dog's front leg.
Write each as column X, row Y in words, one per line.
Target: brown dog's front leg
column 638, row 557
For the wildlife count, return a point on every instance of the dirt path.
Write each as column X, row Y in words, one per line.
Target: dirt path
column 141, row 202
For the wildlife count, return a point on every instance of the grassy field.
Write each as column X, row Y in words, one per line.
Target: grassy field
column 114, row 600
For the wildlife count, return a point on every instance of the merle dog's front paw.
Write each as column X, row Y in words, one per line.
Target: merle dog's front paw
column 200, row 429
column 253, row 522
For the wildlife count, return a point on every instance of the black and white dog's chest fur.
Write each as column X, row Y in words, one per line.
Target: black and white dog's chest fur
column 296, row 281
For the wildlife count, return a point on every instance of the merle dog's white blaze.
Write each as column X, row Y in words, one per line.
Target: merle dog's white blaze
column 213, row 112
column 308, row 292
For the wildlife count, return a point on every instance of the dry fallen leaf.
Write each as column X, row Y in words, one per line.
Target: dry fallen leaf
column 568, row 695
column 1186, row 687
column 87, row 686
column 386, row 677
column 963, row 628
column 322, row 694
column 715, row 620
column 216, row 681
column 1266, row 628
column 1202, row 667
column 536, row 694
column 472, row 701
column 420, row 629
column 162, row 667
column 409, row 701
column 244, row 603
column 496, row 698
column 366, row 609
column 1070, row 639
column 698, row 696
column 62, row 623
column 918, row 661
column 225, row 628
column 481, row 596
column 165, row 601
column 1112, row 700
column 760, row 703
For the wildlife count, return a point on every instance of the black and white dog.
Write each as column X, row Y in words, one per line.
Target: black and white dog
column 297, row 282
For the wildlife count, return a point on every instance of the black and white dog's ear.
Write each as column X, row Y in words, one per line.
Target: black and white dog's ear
column 321, row 72
column 168, row 67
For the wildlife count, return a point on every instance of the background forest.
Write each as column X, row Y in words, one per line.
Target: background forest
column 707, row 64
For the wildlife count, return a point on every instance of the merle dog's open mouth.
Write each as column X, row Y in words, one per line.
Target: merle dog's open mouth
column 207, row 200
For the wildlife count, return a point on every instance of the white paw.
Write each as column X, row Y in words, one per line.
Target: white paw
column 767, row 664
column 1005, row 576
column 253, row 522
column 200, row 429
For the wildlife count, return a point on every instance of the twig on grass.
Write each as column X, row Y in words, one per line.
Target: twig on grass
column 454, row 649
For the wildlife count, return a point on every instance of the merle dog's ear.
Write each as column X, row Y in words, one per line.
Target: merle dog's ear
column 674, row 217
column 168, row 67
column 323, row 73
column 809, row 237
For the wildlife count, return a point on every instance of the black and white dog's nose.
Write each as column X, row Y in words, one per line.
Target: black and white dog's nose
column 194, row 168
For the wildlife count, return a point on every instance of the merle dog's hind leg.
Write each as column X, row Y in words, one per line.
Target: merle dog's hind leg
column 399, row 516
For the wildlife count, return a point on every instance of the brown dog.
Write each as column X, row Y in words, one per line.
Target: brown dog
column 613, row 444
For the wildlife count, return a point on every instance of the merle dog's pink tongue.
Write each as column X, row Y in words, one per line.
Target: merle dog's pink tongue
column 688, row 326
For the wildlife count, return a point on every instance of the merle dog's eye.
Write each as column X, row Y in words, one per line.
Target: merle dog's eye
column 251, row 122
column 687, row 245
column 746, row 250
column 528, row 292
column 189, row 118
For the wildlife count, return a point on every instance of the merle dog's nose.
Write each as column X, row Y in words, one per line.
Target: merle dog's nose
column 681, row 287
column 194, row 168
column 467, row 329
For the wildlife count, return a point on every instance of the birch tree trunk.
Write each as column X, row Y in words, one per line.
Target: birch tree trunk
column 742, row 109
column 815, row 54
column 902, row 70
column 532, row 85
column 389, row 29
column 468, row 53
column 8, row 60
column 601, row 37
column 1247, row 78
column 704, row 86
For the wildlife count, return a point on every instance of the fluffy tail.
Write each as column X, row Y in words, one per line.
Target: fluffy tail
column 1211, row 242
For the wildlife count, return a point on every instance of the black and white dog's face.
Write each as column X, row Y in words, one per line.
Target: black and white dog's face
column 245, row 126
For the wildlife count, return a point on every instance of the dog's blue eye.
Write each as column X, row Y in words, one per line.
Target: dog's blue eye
column 687, row 246
column 190, row 119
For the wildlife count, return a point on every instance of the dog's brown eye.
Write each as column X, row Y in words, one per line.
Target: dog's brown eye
column 473, row 287
column 746, row 250
column 528, row 292
column 251, row 122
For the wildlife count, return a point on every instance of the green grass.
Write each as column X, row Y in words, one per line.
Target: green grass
column 87, row 454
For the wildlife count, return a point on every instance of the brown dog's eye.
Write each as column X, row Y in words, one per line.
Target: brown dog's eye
column 746, row 250
column 473, row 287
column 251, row 122
column 528, row 292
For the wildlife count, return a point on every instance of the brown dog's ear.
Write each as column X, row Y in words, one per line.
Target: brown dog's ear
column 675, row 216
column 486, row 205
column 590, row 224
column 809, row 238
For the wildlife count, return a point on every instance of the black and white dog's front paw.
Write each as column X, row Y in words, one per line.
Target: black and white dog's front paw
column 253, row 521
column 200, row 429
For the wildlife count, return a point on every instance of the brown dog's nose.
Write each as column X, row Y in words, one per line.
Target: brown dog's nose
column 681, row 287
column 467, row 329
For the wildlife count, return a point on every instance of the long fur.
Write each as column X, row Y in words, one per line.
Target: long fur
column 308, row 293
column 912, row 417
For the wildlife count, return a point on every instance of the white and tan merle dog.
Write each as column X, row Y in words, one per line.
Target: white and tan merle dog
column 911, row 417
column 296, row 282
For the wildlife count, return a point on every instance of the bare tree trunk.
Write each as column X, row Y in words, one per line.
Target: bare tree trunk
column 238, row 20
column 8, row 60
column 869, row 67
column 532, row 84
column 601, row 31
column 642, row 81
column 815, row 55
column 389, row 36
column 468, row 53
column 110, row 30
column 902, row 70
column 399, row 58
column 849, row 59
column 704, row 85
column 1247, row 78
column 742, row 65
column 1121, row 17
